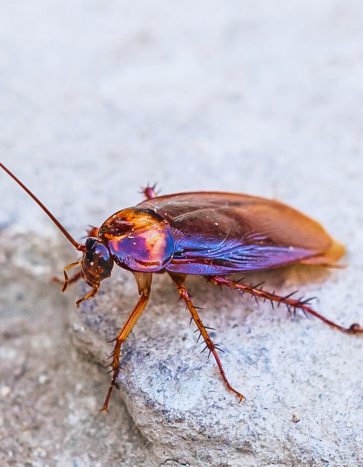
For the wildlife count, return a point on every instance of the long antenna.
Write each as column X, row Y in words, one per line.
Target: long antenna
column 57, row 223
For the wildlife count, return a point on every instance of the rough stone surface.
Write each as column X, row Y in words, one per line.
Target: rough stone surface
column 287, row 369
column 96, row 99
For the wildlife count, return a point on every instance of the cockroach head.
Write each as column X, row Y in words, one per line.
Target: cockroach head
column 97, row 262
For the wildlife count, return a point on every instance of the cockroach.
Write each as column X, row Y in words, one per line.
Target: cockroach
column 210, row 234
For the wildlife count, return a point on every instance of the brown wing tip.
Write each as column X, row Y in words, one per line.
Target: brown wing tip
column 332, row 255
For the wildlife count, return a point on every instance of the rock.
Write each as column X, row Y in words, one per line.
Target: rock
column 102, row 97
column 283, row 365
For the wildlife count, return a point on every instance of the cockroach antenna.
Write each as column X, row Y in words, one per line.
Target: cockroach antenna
column 77, row 245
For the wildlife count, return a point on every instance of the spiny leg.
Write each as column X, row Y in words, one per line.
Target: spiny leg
column 149, row 191
column 178, row 280
column 144, row 284
column 93, row 231
column 355, row 328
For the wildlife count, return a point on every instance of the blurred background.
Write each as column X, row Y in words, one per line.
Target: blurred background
column 98, row 98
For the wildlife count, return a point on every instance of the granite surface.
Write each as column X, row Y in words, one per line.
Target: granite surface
column 96, row 100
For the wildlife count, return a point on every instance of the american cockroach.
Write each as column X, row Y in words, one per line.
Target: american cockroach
column 201, row 233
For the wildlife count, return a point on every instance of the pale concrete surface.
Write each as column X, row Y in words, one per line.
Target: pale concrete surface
column 97, row 98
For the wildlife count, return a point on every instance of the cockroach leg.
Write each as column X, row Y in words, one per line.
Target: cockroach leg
column 149, row 192
column 92, row 232
column 144, row 285
column 91, row 294
column 178, row 280
column 71, row 280
column 68, row 280
column 355, row 328
column 74, row 278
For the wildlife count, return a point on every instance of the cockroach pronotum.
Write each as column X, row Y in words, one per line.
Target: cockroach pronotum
column 210, row 234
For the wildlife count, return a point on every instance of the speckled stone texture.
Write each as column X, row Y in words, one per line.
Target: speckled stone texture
column 97, row 99
column 288, row 369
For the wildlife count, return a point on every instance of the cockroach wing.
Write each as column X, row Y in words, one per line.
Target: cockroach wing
column 224, row 233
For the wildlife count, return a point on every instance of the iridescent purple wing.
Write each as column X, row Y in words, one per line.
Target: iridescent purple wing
column 224, row 233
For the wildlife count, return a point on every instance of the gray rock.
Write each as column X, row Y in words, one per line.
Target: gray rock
column 302, row 380
column 96, row 100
